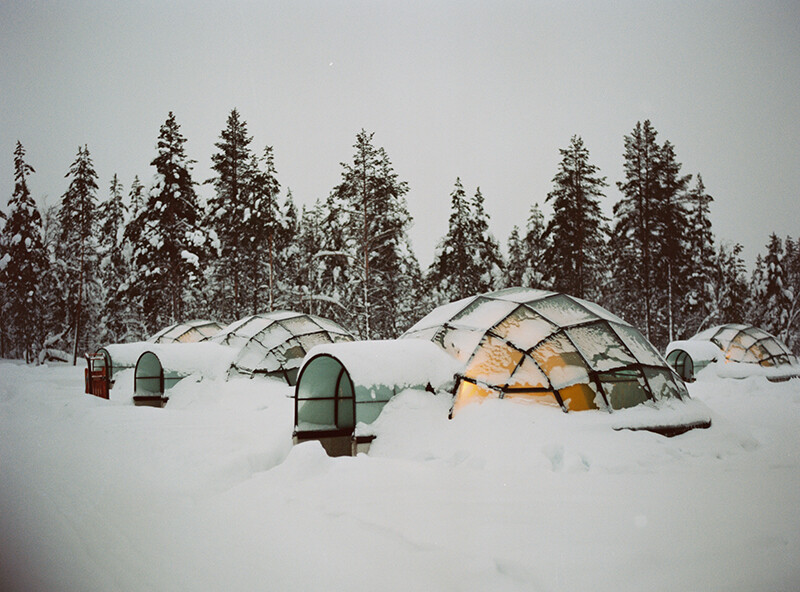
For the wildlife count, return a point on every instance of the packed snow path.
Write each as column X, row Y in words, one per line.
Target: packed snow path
column 208, row 494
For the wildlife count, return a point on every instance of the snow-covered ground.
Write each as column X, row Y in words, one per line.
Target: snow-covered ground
column 208, row 494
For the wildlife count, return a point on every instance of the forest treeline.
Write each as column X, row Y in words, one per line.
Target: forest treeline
column 109, row 265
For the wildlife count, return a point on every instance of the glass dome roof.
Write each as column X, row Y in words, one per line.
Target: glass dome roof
column 188, row 332
column 275, row 343
column 535, row 345
column 748, row 344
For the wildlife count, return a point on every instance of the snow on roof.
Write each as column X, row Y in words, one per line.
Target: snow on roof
column 209, row 359
column 401, row 363
column 697, row 350
column 186, row 332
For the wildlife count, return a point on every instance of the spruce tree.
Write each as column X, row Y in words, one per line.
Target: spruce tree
column 452, row 275
column 23, row 263
column 535, row 244
column 170, row 247
column 647, row 239
column 792, row 269
column 487, row 262
column 772, row 300
column 228, row 211
column 114, row 268
column 699, row 266
column 730, row 289
column 260, row 233
column 371, row 201
column 77, row 253
column 516, row 262
column 577, row 230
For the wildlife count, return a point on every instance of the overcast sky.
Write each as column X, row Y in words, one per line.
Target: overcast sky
column 485, row 91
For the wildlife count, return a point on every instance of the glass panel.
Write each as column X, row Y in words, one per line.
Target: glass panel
column 483, row 313
column 459, row 343
column 601, row 347
column 252, row 326
column 208, row 330
column 300, row 325
column 373, row 393
column 345, row 403
column 757, row 333
column 337, row 338
column 561, row 362
column 755, row 354
column 524, row 328
column 289, row 350
column 623, row 389
column 329, row 325
column 269, row 363
column 639, row 346
column 316, row 412
column 580, row 397
column 252, row 357
column 744, row 339
column 521, row 295
column 773, row 347
column 664, row 385
column 313, row 339
column 439, row 316
column 528, row 375
column 469, row 392
column 562, row 310
column 735, row 352
column 544, row 398
column 600, row 311
column 190, row 336
column 368, row 412
column 493, row 362
column 726, row 334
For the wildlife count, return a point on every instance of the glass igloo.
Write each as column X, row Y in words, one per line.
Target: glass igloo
column 274, row 344
column 535, row 345
column 188, row 332
column 748, row 344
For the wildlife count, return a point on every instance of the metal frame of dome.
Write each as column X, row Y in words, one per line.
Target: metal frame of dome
column 275, row 343
column 550, row 347
column 748, row 344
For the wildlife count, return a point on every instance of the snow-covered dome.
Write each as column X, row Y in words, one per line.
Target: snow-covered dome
column 748, row 344
column 536, row 345
column 187, row 332
column 752, row 351
column 275, row 343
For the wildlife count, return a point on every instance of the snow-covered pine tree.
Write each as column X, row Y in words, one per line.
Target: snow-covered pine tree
column 136, row 197
column 77, row 255
column 730, row 290
column 534, row 246
column 516, row 263
column 310, row 266
column 376, row 221
column 229, row 211
column 260, row 232
column 23, row 262
column 771, row 298
column 575, row 256
column 114, row 268
column 451, row 275
column 289, row 281
column 791, row 266
column 646, row 242
column 700, row 264
column 671, row 218
column 170, row 247
column 487, row 259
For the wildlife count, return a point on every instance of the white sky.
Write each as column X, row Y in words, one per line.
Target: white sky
column 488, row 91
